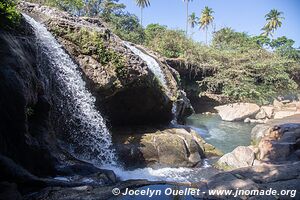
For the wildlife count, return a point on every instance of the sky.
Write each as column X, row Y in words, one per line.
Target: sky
column 241, row 15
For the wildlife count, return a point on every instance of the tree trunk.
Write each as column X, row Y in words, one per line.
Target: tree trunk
column 142, row 17
column 187, row 17
column 206, row 35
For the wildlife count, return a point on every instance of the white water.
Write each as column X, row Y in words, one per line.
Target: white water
column 180, row 174
column 151, row 63
column 154, row 67
column 91, row 139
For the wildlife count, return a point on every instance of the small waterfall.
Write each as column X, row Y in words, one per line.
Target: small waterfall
column 151, row 63
column 154, row 67
column 88, row 135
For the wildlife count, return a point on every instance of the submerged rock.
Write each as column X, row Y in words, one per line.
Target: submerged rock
column 237, row 111
column 171, row 147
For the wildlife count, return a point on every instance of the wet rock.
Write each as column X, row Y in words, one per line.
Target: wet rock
column 175, row 147
column 237, row 111
column 25, row 108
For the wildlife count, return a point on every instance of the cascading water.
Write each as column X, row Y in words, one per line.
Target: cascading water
column 89, row 137
column 151, row 63
column 154, row 67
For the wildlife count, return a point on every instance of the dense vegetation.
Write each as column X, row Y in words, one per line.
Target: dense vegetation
column 9, row 17
column 246, row 68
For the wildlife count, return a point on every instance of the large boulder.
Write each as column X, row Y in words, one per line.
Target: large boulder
column 171, row 147
column 237, row 111
column 127, row 91
column 240, row 157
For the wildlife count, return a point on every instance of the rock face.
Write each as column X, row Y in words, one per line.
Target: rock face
column 25, row 108
column 175, row 147
column 237, row 111
column 126, row 89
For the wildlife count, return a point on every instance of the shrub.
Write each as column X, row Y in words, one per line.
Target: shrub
column 9, row 16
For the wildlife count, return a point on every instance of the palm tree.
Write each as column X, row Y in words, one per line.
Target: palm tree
column 187, row 15
column 193, row 20
column 206, row 19
column 273, row 18
column 142, row 4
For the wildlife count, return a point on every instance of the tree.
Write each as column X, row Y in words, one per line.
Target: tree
column 187, row 15
column 127, row 27
column 72, row 6
column 284, row 47
column 274, row 20
column 110, row 7
column 206, row 19
column 142, row 4
column 193, row 20
column 152, row 31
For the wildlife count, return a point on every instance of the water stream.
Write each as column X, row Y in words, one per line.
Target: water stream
column 154, row 67
column 226, row 136
column 87, row 133
column 152, row 64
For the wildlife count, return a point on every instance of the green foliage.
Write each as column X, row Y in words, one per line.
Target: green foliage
column 261, row 40
column 248, row 72
column 274, row 20
column 152, row 30
column 72, row 6
column 92, row 43
column 127, row 27
column 228, row 39
column 9, row 16
column 169, row 43
column 238, row 65
column 142, row 3
column 284, row 47
column 109, row 8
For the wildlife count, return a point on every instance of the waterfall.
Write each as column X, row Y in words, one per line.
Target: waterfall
column 88, row 136
column 151, row 63
column 154, row 67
